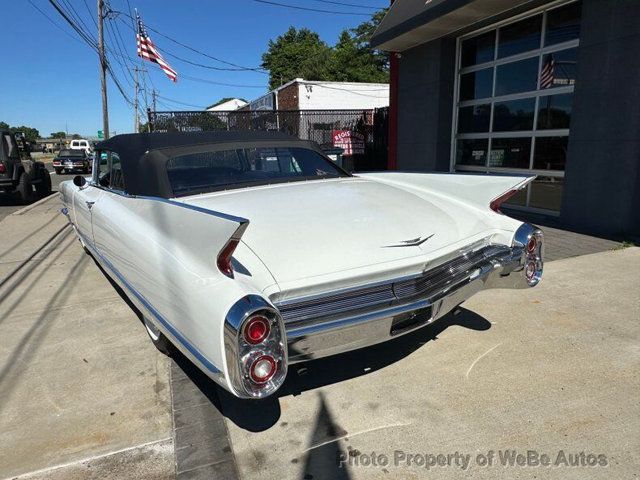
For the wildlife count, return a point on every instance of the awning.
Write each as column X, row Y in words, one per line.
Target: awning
column 412, row 22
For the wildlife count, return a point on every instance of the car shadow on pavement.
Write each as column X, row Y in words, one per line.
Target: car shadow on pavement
column 260, row 415
column 337, row 368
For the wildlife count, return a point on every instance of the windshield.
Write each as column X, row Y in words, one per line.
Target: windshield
column 223, row 169
column 71, row 153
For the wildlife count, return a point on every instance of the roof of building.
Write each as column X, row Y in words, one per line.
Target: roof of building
column 411, row 22
column 228, row 104
column 144, row 156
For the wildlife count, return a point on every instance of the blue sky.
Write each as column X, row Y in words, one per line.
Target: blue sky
column 52, row 82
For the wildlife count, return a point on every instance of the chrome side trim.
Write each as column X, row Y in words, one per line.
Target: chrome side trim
column 225, row 216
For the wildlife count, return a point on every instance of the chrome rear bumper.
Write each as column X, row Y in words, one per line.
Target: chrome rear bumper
column 416, row 302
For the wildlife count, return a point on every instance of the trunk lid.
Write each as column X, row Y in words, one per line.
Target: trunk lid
column 316, row 228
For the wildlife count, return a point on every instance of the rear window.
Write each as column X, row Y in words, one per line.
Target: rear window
column 223, row 169
column 71, row 153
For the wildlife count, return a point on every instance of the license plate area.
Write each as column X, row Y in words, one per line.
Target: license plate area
column 410, row 320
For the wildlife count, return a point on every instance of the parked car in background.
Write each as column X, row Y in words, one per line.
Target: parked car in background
column 70, row 160
column 19, row 172
column 81, row 144
column 250, row 251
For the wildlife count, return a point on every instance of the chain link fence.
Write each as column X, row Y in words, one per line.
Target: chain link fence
column 361, row 133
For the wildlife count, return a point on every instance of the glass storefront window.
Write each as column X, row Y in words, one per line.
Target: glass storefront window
column 550, row 153
column 510, row 152
column 517, row 77
column 514, row 115
column 520, row 37
column 563, row 24
column 546, row 193
column 474, row 119
column 559, row 68
column 554, row 111
column 479, row 49
column 476, row 85
column 519, row 199
column 472, row 152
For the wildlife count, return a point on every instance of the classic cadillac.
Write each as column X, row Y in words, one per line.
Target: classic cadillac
column 250, row 251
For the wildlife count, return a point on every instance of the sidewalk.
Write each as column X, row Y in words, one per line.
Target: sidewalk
column 81, row 386
column 549, row 369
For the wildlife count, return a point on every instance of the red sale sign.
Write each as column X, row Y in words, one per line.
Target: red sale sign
column 351, row 142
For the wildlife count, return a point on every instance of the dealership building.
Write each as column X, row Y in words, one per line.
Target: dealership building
column 549, row 88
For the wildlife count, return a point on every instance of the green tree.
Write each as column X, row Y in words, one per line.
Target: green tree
column 301, row 53
column 296, row 53
column 30, row 133
column 58, row 135
column 353, row 60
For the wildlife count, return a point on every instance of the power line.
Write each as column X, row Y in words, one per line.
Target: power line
column 71, row 11
column 355, row 92
column 125, row 69
column 203, row 80
column 181, row 103
column 77, row 29
column 196, row 64
column 195, row 50
column 370, row 7
column 296, row 7
column 54, row 23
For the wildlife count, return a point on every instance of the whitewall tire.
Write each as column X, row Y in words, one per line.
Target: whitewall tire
column 161, row 342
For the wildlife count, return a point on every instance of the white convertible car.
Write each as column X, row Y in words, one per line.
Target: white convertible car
column 249, row 251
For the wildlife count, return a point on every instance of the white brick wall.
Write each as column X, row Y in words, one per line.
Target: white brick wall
column 342, row 95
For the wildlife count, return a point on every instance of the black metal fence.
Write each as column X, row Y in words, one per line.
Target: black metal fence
column 361, row 133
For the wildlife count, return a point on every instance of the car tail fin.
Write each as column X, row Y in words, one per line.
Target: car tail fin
column 194, row 231
column 480, row 190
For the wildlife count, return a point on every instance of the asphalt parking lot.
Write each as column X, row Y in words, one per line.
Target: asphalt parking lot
column 550, row 373
column 10, row 204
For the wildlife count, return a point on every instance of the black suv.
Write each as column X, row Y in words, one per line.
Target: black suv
column 19, row 172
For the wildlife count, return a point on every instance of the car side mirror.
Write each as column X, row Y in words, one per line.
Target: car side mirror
column 79, row 181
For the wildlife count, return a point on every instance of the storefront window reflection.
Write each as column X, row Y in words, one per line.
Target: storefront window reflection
column 514, row 101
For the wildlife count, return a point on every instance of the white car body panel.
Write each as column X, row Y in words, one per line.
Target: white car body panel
column 302, row 238
column 348, row 230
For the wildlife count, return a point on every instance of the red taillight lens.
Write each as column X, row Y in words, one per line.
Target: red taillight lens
column 532, row 244
column 496, row 202
column 224, row 257
column 262, row 369
column 256, row 330
column 3, row 169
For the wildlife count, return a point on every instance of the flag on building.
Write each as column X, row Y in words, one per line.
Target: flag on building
column 547, row 73
column 148, row 50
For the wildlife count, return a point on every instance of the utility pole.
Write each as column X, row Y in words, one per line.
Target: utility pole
column 136, row 121
column 154, row 95
column 103, row 70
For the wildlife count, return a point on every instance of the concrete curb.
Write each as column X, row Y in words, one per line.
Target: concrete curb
column 24, row 210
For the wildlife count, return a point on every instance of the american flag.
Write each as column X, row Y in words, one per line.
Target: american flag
column 547, row 73
column 148, row 51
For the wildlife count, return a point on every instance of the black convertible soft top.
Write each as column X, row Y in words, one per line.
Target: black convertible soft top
column 144, row 156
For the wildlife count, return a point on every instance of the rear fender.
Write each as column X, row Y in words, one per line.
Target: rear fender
column 478, row 190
